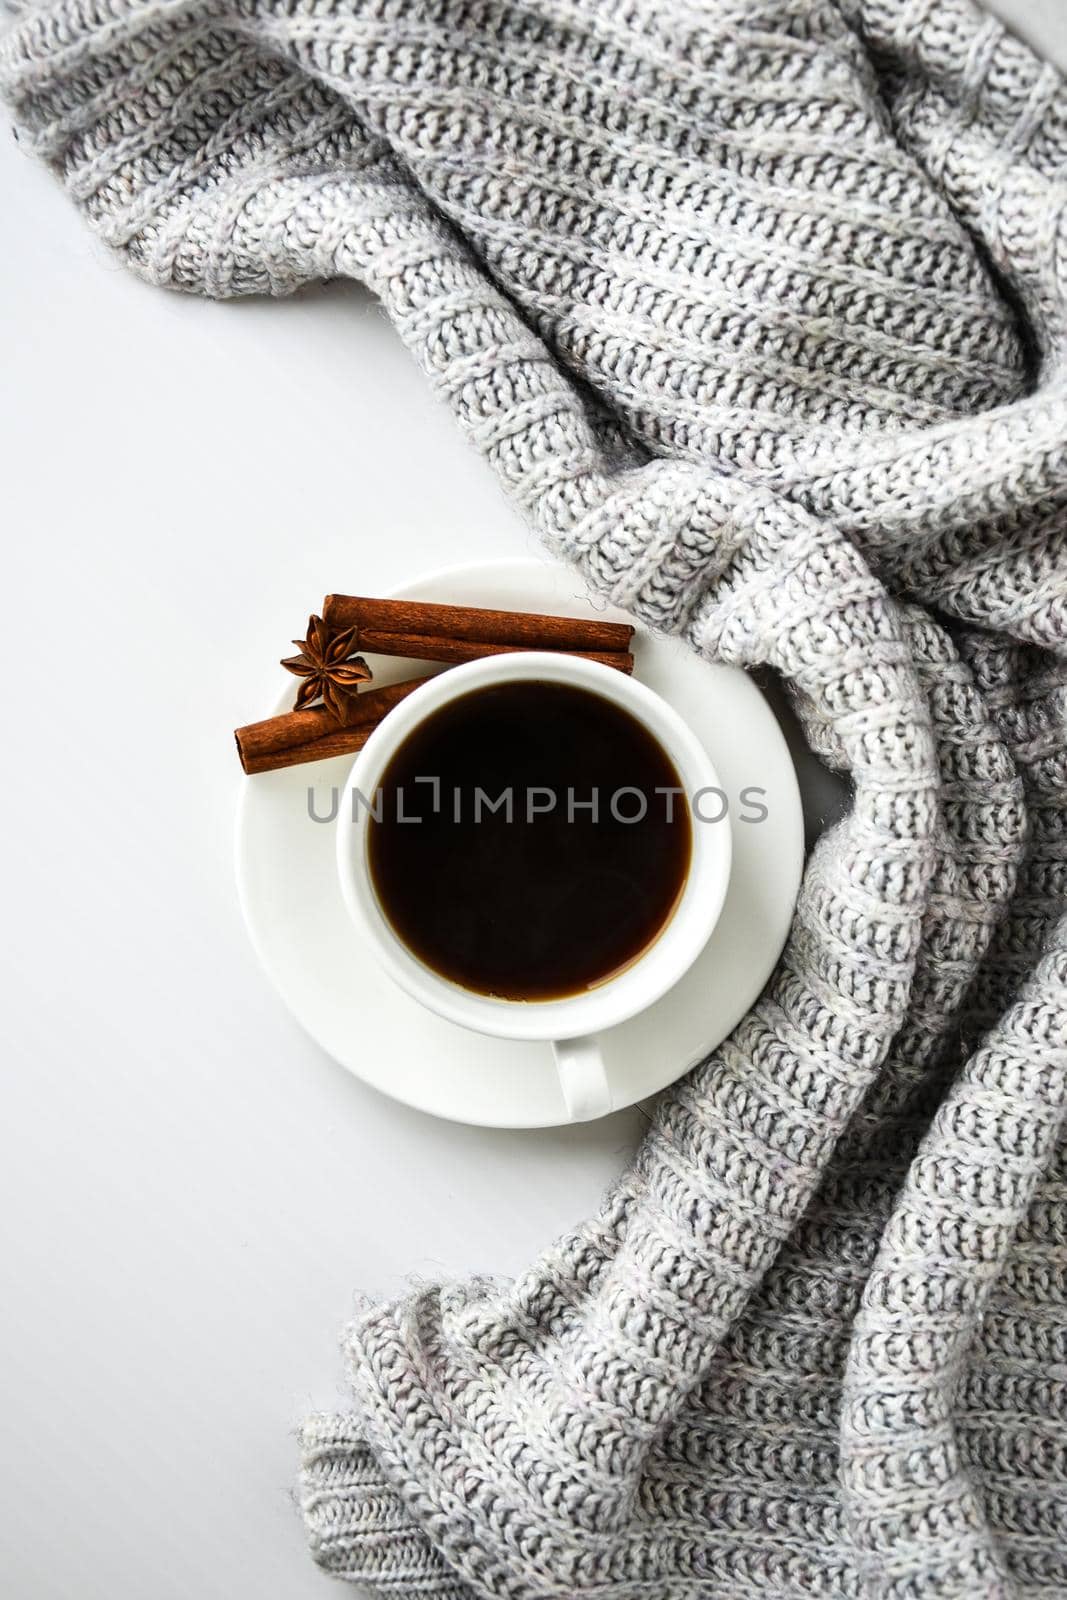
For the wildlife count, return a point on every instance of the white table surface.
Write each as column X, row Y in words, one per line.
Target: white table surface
column 192, row 1193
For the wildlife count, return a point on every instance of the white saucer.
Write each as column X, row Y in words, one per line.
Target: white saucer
column 287, row 879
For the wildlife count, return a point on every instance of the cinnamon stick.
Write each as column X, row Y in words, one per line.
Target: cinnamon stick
column 284, row 741
column 423, row 632
column 519, row 629
column 426, row 647
column 341, row 742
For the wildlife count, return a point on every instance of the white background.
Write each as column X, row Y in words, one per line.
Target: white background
column 191, row 1192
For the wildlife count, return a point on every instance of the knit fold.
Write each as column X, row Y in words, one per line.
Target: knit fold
column 759, row 314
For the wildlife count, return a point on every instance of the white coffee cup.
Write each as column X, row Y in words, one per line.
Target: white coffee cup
column 572, row 1024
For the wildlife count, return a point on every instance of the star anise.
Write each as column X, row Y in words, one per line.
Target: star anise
column 329, row 667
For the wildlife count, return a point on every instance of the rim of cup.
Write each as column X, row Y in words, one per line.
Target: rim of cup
column 652, row 972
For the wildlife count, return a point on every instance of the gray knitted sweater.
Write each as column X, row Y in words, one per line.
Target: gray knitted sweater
column 759, row 310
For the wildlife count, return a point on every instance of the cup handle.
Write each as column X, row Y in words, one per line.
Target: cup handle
column 580, row 1066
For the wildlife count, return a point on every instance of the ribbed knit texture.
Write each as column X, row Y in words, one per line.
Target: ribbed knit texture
column 759, row 310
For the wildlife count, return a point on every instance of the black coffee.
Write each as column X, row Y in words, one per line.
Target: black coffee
column 552, row 844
